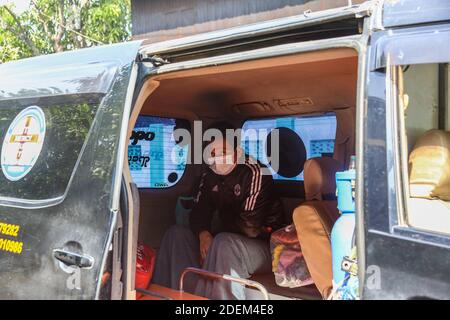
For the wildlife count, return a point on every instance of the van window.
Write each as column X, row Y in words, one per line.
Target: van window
column 423, row 95
column 41, row 142
column 317, row 132
column 155, row 160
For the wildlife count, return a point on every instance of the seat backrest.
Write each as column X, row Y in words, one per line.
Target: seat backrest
column 429, row 182
column 320, row 178
column 320, row 190
column 429, row 166
column 314, row 219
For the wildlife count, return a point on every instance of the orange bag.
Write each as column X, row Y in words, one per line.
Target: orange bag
column 145, row 263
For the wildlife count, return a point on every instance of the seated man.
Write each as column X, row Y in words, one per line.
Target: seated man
column 247, row 210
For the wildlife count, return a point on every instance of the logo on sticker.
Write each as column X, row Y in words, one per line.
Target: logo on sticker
column 23, row 143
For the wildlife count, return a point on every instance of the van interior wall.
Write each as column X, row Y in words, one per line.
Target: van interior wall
column 308, row 83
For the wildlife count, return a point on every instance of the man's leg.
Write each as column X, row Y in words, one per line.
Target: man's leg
column 179, row 250
column 238, row 256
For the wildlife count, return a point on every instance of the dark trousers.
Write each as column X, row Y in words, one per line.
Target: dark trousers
column 230, row 253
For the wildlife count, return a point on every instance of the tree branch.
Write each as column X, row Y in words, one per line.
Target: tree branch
column 22, row 33
column 75, row 23
column 43, row 20
column 60, row 28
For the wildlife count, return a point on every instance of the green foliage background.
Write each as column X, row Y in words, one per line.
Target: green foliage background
column 50, row 26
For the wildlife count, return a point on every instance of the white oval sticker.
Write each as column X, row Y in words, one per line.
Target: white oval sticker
column 23, row 143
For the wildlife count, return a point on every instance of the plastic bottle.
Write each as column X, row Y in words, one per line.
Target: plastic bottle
column 343, row 229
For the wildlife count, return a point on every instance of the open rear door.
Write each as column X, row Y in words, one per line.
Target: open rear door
column 63, row 121
column 403, row 260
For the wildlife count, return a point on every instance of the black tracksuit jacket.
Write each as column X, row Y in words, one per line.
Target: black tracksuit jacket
column 245, row 200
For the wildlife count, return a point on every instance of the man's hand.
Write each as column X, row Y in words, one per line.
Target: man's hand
column 206, row 239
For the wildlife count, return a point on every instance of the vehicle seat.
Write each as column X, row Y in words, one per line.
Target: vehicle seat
column 429, row 182
column 429, row 166
column 315, row 217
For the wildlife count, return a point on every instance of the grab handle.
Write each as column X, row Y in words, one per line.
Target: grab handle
column 227, row 277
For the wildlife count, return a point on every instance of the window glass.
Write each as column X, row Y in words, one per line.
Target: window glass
column 41, row 142
column 423, row 94
column 155, row 160
column 421, row 86
column 318, row 134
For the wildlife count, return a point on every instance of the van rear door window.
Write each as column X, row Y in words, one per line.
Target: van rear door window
column 317, row 132
column 424, row 151
column 41, row 142
column 155, row 160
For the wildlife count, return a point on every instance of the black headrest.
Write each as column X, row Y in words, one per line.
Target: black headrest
column 292, row 152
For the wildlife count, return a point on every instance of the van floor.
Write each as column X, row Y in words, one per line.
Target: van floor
column 156, row 292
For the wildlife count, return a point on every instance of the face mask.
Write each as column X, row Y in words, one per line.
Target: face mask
column 222, row 165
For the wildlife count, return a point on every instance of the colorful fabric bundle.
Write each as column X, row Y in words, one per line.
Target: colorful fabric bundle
column 288, row 263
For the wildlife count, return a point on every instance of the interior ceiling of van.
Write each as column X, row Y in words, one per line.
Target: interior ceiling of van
column 304, row 83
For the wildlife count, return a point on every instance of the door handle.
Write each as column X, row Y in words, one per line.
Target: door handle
column 73, row 259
